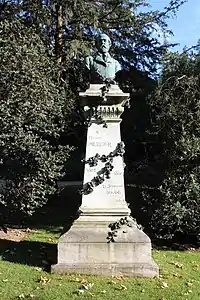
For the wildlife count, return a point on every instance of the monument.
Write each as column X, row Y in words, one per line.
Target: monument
column 104, row 240
column 102, row 66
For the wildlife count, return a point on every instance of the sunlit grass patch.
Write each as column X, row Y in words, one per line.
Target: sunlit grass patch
column 22, row 275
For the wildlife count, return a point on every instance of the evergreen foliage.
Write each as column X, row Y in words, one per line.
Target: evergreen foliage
column 34, row 112
column 169, row 173
column 69, row 27
column 42, row 45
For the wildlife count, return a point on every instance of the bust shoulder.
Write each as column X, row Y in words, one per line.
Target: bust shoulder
column 117, row 65
column 89, row 62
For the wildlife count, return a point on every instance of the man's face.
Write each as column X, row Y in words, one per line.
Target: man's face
column 104, row 44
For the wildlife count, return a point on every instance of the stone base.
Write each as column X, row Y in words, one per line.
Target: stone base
column 84, row 250
column 125, row 269
column 93, row 95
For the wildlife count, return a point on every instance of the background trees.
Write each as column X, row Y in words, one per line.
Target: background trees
column 69, row 27
column 34, row 113
column 42, row 46
column 167, row 176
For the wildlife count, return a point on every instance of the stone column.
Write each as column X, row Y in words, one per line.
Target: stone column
column 107, row 201
column 84, row 249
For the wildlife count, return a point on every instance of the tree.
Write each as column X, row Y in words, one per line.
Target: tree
column 69, row 27
column 43, row 45
column 34, row 113
column 170, row 188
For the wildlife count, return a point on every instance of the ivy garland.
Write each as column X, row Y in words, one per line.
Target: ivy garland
column 105, row 89
column 121, row 225
column 104, row 173
column 93, row 112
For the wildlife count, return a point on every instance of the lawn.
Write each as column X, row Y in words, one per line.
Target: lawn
column 24, row 275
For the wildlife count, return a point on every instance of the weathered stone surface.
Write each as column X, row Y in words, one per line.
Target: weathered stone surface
column 126, row 269
column 94, row 95
column 85, row 248
column 110, row 195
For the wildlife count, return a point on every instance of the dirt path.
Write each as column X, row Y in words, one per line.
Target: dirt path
column 15, row 235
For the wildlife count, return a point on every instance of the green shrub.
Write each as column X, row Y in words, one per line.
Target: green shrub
column 172, row 202
column 34, row 112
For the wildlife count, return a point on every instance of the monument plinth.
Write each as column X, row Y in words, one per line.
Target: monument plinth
column 85, row 249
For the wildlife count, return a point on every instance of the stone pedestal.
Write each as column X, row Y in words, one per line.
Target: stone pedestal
column 85, row 248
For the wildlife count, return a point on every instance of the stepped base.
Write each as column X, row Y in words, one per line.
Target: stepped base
column 85, row 250
column 125, row 269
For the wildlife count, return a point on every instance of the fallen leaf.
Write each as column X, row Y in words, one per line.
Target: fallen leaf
column 31, row 296
column 43, row 247
column 11, row 251
column 191, row 249
column 196, row 268
column 87, row 286
column 80, row 292
column 44, row 280
column 178, row 265
column 189, row 283
column 21, row 296
column 83, row 281
column 164, row 285
column 38, row 269
column 120, row 278
column 113, row 282
column 103, row 292
column 178, row 275
column 44, row 262
column 122, row 288
column 4, row 280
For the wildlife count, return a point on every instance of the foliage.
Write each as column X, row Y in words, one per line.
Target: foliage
column 171, row 193
column 73, row 25
column 105, row 172
column 34, row 113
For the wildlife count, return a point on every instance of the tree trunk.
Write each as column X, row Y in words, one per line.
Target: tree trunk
column 59, row 36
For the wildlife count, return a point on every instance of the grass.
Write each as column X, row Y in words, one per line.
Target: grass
column 22, row 275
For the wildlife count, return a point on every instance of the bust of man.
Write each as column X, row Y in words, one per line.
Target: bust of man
column 102, row 67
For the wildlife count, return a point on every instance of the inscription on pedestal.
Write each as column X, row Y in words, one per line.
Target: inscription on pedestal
column 111, row 192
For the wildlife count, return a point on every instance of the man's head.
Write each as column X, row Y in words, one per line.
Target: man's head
column 103, row 43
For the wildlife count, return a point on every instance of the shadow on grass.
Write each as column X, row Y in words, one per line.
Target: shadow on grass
column 56, row 217
column 36, row 254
